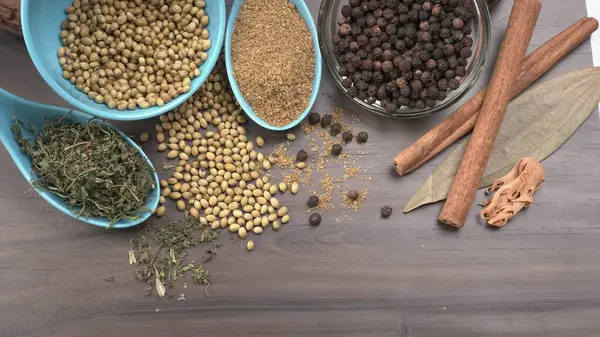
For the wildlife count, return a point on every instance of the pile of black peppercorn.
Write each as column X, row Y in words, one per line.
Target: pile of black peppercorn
column 403, row 52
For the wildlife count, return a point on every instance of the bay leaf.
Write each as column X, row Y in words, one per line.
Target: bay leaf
column 536, row 124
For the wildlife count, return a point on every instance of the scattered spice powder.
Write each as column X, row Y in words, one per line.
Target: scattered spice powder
column 354, row 204
column 273, row 59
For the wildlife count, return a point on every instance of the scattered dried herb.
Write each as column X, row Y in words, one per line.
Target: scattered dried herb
column 90, row 166
column 535, row 125
column 160, row 268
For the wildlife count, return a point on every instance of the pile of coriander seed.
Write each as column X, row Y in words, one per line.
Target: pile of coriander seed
column 220, row 177
column 133, row 53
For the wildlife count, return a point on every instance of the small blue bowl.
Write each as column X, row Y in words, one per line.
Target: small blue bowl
column 41, row 20
column 36, row 114
column 305, row 12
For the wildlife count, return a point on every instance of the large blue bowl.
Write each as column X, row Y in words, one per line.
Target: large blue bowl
column 41, row 20
column 305, row 12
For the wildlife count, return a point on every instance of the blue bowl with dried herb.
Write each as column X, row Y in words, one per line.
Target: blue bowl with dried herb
column 273, row 61
column 82, row 166
column 130, row 49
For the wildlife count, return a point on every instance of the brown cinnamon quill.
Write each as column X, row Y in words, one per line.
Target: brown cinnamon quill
column 520, row 28
column 462, row 121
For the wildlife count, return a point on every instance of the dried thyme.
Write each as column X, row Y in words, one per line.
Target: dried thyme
column 91, row 167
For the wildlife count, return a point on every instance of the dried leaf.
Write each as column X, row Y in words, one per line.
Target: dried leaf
column 536, row 124
column 160, row 288
column 132, row 259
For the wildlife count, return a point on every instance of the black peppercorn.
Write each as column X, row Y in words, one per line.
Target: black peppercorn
column 313, row 201
column 336, row 39
column 345, row 29
column 386, row 211
column 466, row 52
column 314, row 118
column 442, row 65
column 326, row 120
column 458, row 35
column 461, row 71
column 458, row 23
column 405, row 91
column 346, row 10
column 437, row 54
column 347, row 136
column 431, row 64
column 443, row 84
column 462, row 62
column 335, row 129
column 453, row 84
column 347, row 82
column 314, row 219
column 354, row 2
column 377, row 75
column 352, row 92
column 336, row 150
column 430, row 102
column 362, row 137
column 353, row 195
column 387, row 55
column 387, row 66
column 420, row 104
column 450, row 74
column 357, row 12
column 301, row 156
column 361, row 86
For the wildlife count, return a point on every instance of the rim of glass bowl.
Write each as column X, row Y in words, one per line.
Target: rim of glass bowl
column 481, row 34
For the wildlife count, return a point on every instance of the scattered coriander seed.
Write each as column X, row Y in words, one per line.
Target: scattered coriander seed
column 362, row 137
column 144, row 137
column 301, row 156
column 276, row 224
column 336, row 128
column 260, row 142
column 250, row 245
column 386, row 211
column 160, row 211
column 290, row 136
column 347, row 136
column 326, row 120
column 282, row 187
column 314, row 219
column 353, row 195
column 257, row 230
column 336, row 150
column 301, row 165
column 313, row 201
column 314, row 118
column 295, row 187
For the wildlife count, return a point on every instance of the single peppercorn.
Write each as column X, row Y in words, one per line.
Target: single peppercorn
column 336, row 128
column 461, row 71
column 314, row 118
column 453, row 84
column 301, row 156
column 347, row 136
column 443, row 84
column 431, row 64
column 313, row 201
column 336, row 150
column 386, row 211
column 362, row 137
column 314, row 219
column 353, row 195
column 352, row 92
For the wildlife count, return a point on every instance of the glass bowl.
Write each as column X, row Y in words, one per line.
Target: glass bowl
column 330, row 12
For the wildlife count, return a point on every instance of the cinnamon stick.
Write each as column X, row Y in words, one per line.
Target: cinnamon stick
column 462, row 121
column 520, row 28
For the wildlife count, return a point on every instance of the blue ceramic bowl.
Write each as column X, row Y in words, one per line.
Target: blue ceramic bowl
column 36, row 114
column 305, row 12
column 41, row 19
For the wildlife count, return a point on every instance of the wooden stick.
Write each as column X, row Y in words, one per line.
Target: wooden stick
column 462, row 121
column 520, row 28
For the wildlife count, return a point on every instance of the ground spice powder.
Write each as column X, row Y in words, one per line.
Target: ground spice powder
column 273, row 59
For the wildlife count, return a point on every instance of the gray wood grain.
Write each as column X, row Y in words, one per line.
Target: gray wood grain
column 538, row 276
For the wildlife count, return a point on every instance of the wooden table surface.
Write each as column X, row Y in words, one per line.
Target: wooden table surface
column 405, row 276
